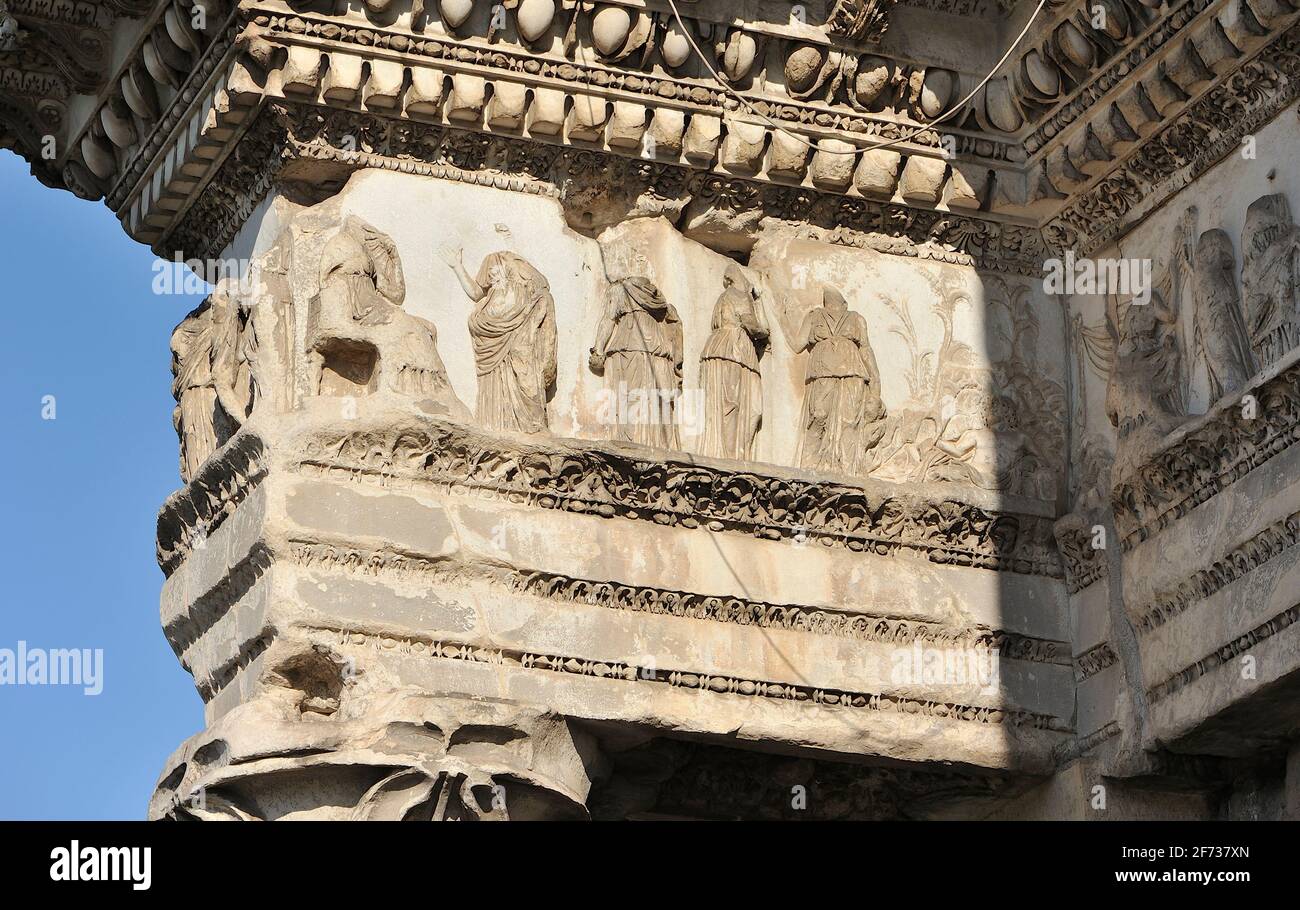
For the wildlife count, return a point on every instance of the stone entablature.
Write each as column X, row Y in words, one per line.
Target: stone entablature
column 1205, row 130
column 294, row 131
column 637, row 486
column 898, row 455
column 276, row 578
column 198, row 90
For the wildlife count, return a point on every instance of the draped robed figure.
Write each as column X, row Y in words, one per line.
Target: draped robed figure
column 1270, row 277
column 639, row 351
column 842, row 388
column 729, row 374
column 512, row 327
column 359, row 337
column 215, row 383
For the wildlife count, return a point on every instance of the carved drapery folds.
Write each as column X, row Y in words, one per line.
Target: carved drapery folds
column 729, row 374
column 602, row 111
column 512, row 327
column 1234, row 334
column 215, row 374
column 1220, row 332
column 638, row 350
column 1270, row 277
column 359, row 339
column 842, row 407
column 1145, row 395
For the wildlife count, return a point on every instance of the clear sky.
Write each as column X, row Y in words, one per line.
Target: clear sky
column 79, row 496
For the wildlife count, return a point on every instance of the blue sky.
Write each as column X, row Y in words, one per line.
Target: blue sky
column 79, row 495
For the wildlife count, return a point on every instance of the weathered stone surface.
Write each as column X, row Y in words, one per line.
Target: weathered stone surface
column 821, row 431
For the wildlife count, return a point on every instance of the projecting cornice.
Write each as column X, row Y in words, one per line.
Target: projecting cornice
column 1085, row 130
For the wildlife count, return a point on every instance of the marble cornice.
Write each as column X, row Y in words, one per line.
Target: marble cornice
column 1206, row 132
column 625, row 483
column 1083, row 186
column 288, row 130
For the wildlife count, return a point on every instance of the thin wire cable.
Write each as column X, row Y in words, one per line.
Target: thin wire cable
column 686, row 33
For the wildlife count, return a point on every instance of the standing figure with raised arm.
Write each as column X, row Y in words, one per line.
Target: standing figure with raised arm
column 512, row 327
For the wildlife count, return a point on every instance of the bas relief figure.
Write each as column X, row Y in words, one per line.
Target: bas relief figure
column 1270, row 278
column 1220, row 331
column 359, row 339
column 1144, row 398
column 729, row 376
column 842, row 407
column 197, row 415
column 214, row 352
column 983, row 444
column 512, row 327
column 639, row 352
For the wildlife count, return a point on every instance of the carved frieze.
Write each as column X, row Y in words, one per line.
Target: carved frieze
column 1237, row 563
column 1208, row 454
column 589, row 479
column 1227, row 654
column 641, row 599
column 729, row 369
column 718, row 684
column 1094, row 660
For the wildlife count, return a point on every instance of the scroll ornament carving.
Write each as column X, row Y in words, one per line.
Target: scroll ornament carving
column 1237, row 563
column 1216, row 451
column 842, row 408
column 453, row 793
column 1084, row 562
column 1094, row 660
column 584, row 478
column 729, row 374
column 512, row 327
column 618, row 596
column 639, row 351
column 765, row 615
